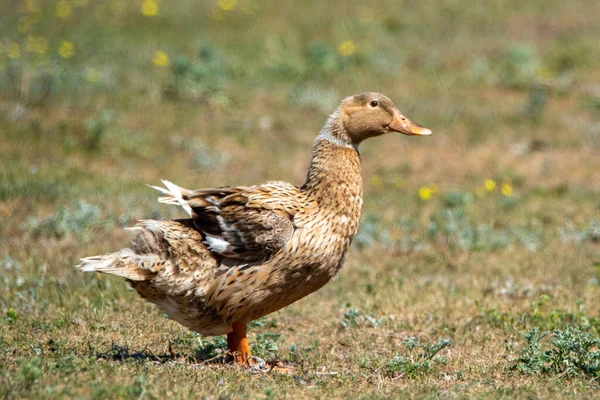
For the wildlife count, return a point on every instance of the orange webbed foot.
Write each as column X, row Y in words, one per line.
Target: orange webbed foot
column 239, row 349
column 237, row 345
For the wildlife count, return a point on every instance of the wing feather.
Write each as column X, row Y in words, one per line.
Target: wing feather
column 244, row 223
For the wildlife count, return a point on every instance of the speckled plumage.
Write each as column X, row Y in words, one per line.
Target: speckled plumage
column 248, row 251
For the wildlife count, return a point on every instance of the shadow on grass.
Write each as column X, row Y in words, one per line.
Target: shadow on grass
column 124, row 354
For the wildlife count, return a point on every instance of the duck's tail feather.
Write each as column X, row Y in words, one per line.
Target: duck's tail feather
column 120, row 263
column 174, row 196
column 147, row 255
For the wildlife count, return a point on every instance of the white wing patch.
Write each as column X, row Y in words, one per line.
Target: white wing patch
column 217, row 244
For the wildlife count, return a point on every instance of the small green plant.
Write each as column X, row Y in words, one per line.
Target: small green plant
column 29, row 371
column 457, row 198
column 372, row 232
column 574, row 352
column 590, row 232
column 354, row 317
column 11, row 316
column 321, row 58
column 535, row 105
column 297, row 355
column 265, row 345
column 533, row 358
column 416, row 363
column 519, row 67
column 97, row 128
column 76, row 220
column 458, row 229
column 211, row 348
column 270, row 394
column 202, row 78
column 350, row 318
column 263, row 322
column 527, row 235
column 453, row 227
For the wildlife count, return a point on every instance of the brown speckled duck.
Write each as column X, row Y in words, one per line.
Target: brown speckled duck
column 246, row 252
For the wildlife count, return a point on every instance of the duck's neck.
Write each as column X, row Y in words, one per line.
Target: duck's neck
column 335, row 133
column 334, row 175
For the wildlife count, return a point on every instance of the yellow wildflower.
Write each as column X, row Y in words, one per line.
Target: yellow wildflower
column 149, row 8
column 66, row 49
column 63, row 9
column 160, row 59
column 93, row 75
column 346, row 48
column 37, row 45
column 507, row 190
column 376, row 180
column 227, row 5
column 489, row 185
column 14, row 50
column 425, row 193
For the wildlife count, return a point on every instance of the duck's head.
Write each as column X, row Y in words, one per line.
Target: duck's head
column 370, row 114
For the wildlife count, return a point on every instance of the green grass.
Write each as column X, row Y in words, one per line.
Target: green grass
column 449, row 287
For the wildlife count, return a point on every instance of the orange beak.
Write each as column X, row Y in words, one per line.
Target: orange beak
column 404, row 125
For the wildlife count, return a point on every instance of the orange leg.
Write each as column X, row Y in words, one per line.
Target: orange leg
column 237, row 344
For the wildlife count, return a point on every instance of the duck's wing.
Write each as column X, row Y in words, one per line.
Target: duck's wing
column 244, row 223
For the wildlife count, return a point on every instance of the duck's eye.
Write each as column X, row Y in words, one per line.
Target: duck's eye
column 374, row 103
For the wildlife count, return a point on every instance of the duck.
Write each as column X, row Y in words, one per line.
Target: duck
column 245, row 252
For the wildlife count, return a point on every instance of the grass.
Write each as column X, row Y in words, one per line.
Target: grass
column 476, row 269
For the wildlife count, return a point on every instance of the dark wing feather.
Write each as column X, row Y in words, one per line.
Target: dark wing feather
column 244, row 223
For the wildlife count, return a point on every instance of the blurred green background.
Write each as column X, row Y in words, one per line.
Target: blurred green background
column 499, row 207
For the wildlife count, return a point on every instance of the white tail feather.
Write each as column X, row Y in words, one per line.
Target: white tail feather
column 133, row 229
column 168, row 200
column 160, row 189
column 173, row 196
